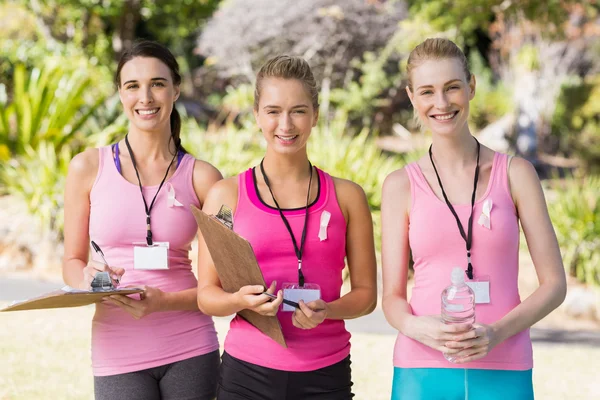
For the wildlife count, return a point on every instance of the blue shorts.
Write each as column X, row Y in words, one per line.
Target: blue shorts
column 461, row 384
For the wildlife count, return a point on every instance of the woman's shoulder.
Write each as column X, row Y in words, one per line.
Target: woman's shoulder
column 86, row 162
column 225, row 191
column 206, row 170
column 347, row 189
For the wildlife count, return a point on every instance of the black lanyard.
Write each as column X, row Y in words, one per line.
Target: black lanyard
column 298, row 250
column 148, row 209
column 468, row 238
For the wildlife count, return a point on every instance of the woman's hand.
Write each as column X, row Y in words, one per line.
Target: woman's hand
column 433, row 332
column 310, row 315
column 92, row 268
column 250, row 297
column 151, row 300
column 475, row 344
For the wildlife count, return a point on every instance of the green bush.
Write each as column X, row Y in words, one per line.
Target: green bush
column 575, row 123
column 50, row 104
column 492, row 101
column 575, row 214
column 37, row 179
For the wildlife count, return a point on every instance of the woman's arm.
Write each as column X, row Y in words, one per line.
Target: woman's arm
column 395, row 203
column 528, row 197
column 360, row 254
column 532, row 211
column 211, row 298
column 77, row 271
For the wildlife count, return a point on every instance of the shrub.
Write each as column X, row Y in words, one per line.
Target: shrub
column 575, row 214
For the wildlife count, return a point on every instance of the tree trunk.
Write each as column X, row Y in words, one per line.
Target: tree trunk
column 130, row 17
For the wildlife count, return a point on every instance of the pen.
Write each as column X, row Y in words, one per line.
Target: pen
column 288, row 302
column 98, row 251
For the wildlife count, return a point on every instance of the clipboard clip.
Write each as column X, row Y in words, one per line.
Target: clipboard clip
column 225, row 216
column 102, row 282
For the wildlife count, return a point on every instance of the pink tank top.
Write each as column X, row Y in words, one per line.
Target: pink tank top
column 120, row 343
column 322, row 263
column 437, row 247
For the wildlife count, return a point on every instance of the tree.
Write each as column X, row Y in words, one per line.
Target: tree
column 534, row 45
column 329, row 34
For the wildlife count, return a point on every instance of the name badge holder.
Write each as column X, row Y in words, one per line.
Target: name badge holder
column 150, row 255
column 294, row 292
column 481, row 287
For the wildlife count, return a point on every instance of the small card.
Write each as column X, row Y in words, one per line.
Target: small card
column 153, row 257
column 481, row 288
column 307, row 293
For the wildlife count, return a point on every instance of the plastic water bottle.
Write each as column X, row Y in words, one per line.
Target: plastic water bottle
column 458, row 303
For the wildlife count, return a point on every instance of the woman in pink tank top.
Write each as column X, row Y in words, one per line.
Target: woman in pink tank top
column 302, row 224
column 460, row 205
column 133, row 200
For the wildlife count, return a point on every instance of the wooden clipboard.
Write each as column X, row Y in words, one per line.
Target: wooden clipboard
column 236, row 266
column 62, row 299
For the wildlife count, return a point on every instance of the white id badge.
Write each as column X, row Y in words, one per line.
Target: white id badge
column 294, row 292
column 481, row 288
column 151, row 257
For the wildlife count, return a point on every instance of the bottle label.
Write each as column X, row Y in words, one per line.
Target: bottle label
column 454, row 307
column 452, row 293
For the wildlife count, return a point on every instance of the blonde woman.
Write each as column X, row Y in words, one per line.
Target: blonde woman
column 460, row 205
column 302, row 224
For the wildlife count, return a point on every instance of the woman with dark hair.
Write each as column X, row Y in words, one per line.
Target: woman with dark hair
column 132, row 198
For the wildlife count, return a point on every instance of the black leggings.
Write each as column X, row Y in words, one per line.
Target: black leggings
column 191, row 379
column 240, row 380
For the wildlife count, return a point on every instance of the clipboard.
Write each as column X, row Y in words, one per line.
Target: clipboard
column 236, row 266
column 67, row 297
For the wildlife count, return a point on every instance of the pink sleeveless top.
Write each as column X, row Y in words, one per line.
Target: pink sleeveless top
column 322, row 263
column 437, row 247
column 120, row 343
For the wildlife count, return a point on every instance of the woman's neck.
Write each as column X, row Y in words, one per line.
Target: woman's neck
column 286, row 168
column 454, row 152
column 151, row 146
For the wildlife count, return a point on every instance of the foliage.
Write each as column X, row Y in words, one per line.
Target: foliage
column 450, row 14
column 103, row 27
column 357, row 158
column 575, row 123
column 229, row 149
column 51, row 104
column 492, row 100
column 37, row 178
column 575, row 214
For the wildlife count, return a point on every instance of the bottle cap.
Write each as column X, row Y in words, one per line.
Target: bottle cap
column 457, row 277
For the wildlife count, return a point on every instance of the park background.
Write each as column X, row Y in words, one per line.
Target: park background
column 537, row 65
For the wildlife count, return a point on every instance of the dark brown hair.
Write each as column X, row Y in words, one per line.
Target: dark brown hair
column 151, row 49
